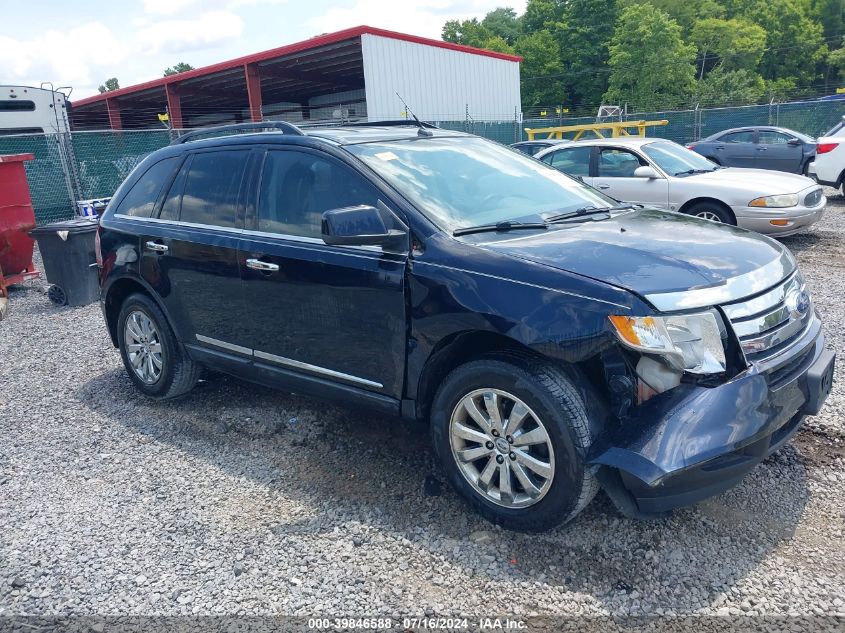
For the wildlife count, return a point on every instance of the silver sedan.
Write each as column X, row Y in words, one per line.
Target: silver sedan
column 662, row 174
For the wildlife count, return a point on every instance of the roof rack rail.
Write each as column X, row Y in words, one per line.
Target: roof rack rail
column 392, row 123
column 287, row 128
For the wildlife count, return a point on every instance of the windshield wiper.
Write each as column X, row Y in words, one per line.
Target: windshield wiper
column 588, row 210
column 499, row 226
column 690, row 172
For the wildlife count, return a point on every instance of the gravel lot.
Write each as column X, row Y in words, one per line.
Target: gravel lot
column 237, row 500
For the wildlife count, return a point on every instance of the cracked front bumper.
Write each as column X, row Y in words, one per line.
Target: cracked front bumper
column 693, row 442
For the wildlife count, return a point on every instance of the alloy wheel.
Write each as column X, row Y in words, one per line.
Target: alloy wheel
column 708, row 215
column 502, row 448
column 143, row 347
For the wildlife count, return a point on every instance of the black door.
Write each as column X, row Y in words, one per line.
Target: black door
column 190, row 253
column 325, row 312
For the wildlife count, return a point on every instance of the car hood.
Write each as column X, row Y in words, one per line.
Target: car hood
column 654, row 252
column 764, row 182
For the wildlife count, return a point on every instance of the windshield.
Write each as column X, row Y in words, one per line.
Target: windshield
column 676, row 160
column 460, row 182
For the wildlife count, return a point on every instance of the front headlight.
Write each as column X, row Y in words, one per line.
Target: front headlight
column 688, row 342
column 776, row 202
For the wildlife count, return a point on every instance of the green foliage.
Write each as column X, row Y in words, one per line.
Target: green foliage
column 542, row 66
column 735, row 44
column 109, row 85
column 724, row 87
column 647, row 38
column 502, row 23
column 175, row 69
column 665, row 53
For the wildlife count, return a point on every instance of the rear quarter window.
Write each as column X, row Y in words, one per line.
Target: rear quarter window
column 142, row 197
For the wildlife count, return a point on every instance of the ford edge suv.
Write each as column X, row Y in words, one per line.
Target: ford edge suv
column 555, row 340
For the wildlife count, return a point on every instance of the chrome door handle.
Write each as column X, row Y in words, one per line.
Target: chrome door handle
column 257, row 264
column 158, row 248
column 604, row 186
column 762, row 149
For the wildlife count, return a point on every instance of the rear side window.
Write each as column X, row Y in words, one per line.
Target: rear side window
column 141, row 199
column 212, row 186
column 575, row 161
column 297, row 187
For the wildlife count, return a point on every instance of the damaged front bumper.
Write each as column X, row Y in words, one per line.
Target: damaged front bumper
column 693, row 442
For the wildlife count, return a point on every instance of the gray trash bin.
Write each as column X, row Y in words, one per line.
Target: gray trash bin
column 67, row 249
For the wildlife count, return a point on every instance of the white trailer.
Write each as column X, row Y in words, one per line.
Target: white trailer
column 28, row 110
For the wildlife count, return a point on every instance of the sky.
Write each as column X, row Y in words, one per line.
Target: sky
column 83, row 43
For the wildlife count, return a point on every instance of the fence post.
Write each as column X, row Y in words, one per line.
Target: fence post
column 67, row 159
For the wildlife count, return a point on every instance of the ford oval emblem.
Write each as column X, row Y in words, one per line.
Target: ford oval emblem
column 798, row 303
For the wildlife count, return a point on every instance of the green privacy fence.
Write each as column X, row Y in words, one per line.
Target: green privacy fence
column 813, row 118
column 85, row 165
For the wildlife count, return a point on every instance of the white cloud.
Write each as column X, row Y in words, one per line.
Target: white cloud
column 173, row 7
column 188, row 34
column 63, row 57
column 418, row 17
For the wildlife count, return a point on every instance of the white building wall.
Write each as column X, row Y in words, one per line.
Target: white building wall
column 438, row 84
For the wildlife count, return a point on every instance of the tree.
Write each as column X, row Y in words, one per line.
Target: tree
column 109, row 85
column 650, row 64
column 583, row 35
column 466, row 32
column 541, row 14
column 686, row 12
column 733, row 44
column 542, row 70
column 502, row 23
column 181, row 67
column 723, row 87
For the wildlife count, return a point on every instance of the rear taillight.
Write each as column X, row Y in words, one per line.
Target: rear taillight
column 824, row 148
column 97, row 251
column 691, row 146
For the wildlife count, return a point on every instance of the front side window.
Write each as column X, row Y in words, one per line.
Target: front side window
column 574, row 161
column 297, row 187
column 461, row 181
column 141, row 199
column 770, row 137
column 212, row 187
column 618, row 163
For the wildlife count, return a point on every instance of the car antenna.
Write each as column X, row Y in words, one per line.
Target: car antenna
column 422, row 131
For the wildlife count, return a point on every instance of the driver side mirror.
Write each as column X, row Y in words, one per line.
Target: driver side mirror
column 362, row 225
column 644, row 171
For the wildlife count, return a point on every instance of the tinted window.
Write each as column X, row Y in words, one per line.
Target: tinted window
column 170, row 206
column 769, row 137
column 141, row 199
column 618, row 163
column 15, row 105
column 212, row 187
column 297, row 187
column 574, row 161
column 738, row 137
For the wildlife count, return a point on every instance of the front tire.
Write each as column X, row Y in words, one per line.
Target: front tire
column 511, row 435
column 151, row 354
column 713, row 211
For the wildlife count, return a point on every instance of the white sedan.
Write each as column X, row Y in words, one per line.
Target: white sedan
column 662, row 174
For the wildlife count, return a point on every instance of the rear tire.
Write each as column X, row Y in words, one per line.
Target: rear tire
column 153, row 358
column 508, row 484
column 713, row 211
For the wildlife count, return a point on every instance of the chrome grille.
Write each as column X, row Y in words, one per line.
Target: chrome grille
column 813, row 198
column 769, row 322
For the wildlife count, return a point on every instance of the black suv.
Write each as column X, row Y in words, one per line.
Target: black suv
column 556, row 341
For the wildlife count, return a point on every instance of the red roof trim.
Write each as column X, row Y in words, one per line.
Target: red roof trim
column 314, row 42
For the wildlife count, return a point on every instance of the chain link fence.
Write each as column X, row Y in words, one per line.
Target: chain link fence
column 92, row 164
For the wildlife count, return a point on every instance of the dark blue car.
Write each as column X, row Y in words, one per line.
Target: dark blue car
column 760, row 147
column 554, row 340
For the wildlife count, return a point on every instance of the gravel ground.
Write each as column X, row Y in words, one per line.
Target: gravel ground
column 236, row 500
